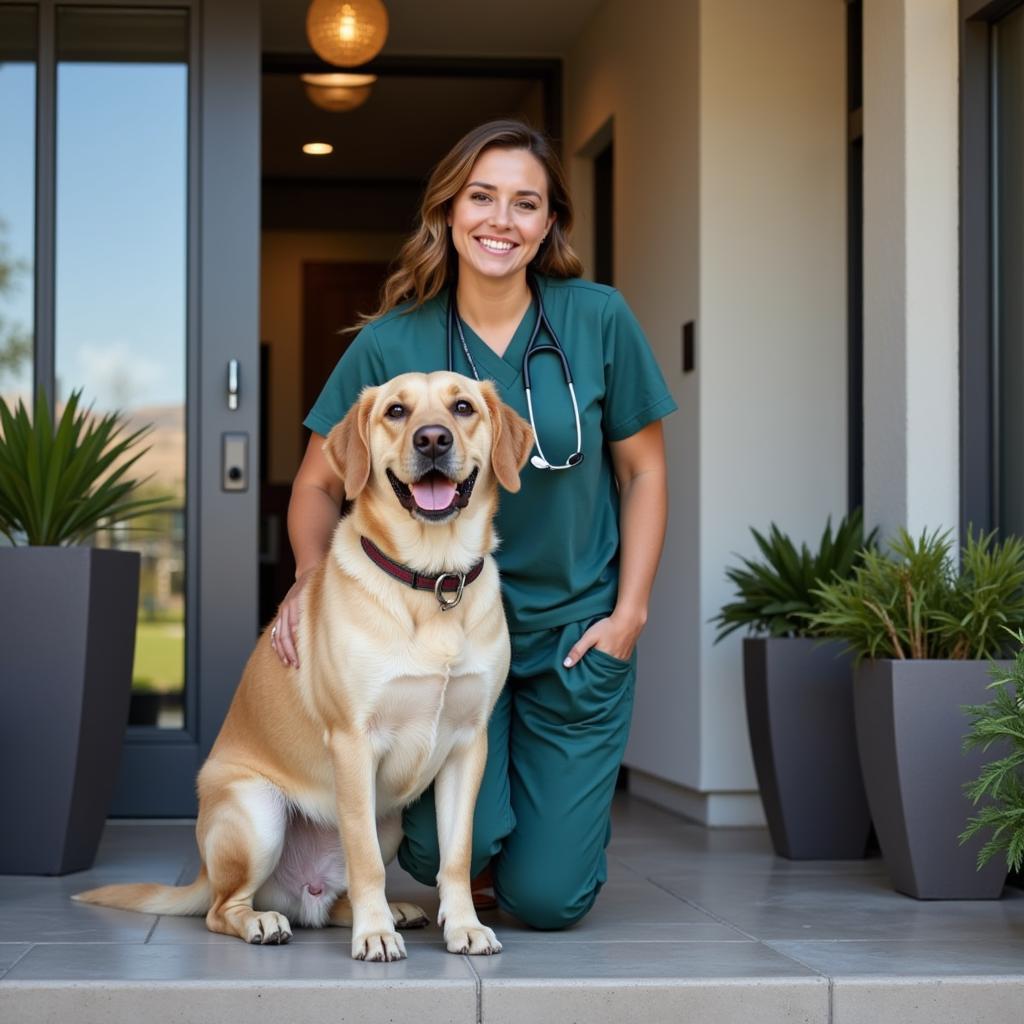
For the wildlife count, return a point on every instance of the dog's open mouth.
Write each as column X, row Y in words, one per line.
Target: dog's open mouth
column 434, row 495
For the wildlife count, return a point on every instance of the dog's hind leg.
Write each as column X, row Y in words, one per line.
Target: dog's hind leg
column 340, row 913
column 241, row 832
column 407, row 915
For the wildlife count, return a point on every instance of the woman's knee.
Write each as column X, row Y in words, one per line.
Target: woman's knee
column 420, row 853
column 545, row 903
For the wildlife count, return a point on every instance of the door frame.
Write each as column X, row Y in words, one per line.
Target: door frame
column 158, row 773
column 979, row 436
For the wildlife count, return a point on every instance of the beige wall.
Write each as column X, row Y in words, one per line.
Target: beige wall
column 636, row 66
column 282, row 257
column 773, row 296
column 730, row 146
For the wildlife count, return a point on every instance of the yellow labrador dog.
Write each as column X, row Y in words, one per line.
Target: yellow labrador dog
column 300, row 800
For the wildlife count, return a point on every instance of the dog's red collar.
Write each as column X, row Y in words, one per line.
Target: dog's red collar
column 445, row 583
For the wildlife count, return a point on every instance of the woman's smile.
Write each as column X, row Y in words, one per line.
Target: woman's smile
column 497, row 246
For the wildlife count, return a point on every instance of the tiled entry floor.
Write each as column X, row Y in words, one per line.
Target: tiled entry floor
column 693, row 925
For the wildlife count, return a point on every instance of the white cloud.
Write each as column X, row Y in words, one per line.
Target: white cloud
column 116, row 376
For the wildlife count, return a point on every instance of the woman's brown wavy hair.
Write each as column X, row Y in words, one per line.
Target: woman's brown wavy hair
column 428, row 261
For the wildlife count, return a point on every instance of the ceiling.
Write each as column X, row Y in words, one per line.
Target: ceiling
column 399, row 133
column 410, row 121
column 468, row 28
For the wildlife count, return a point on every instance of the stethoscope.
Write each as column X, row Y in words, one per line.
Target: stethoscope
column 539, row 460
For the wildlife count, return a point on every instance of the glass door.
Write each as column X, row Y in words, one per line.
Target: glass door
column 146, row 278
column 1008, row 302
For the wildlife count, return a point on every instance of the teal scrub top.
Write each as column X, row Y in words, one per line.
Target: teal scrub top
column 559, row 551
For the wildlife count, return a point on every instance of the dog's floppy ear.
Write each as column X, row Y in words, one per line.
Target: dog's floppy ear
column 511, row 439
column 348, row 444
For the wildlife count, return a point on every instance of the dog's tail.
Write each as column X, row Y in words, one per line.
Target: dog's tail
column 152, row 898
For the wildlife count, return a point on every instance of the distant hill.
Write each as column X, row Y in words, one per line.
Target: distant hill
column 166, row 458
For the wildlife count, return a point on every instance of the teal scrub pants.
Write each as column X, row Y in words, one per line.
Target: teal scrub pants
column 543, row 816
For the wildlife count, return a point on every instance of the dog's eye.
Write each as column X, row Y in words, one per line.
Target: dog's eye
column 463, row 408
column 395, row 412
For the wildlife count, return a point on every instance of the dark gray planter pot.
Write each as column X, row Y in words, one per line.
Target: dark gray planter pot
column 65, row 683
column 910, row 728
column 799, row 696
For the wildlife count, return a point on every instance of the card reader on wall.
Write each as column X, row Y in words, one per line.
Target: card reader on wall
column 235, row 464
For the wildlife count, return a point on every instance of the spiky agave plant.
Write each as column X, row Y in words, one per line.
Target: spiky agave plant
column 777, row 593
column 60, row 486
column 1000, row 721
column 913, row 602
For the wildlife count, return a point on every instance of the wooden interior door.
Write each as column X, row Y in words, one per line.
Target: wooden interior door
column 333, row 297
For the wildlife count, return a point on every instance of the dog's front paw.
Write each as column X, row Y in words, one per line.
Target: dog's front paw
column 476, row 939
column 378, row 946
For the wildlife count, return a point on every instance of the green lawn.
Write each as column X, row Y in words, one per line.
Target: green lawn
column 160, row 657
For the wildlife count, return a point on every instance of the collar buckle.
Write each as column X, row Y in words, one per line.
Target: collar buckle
column 446, row 603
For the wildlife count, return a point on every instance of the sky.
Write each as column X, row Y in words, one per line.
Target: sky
column 17, row 130
column 121, row 225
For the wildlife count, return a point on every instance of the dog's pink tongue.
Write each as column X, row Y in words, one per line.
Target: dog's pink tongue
column 433, row 493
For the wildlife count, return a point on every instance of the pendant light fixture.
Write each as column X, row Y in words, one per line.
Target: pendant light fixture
column 338, row 93
column 347, row 33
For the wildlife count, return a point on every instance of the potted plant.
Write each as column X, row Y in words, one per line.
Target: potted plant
column 69, row 612
column 920, row 632
column 799, row 695
column 1001, row 782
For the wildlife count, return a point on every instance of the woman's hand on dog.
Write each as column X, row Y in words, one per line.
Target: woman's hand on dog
column 283, row 636
column 615, row 635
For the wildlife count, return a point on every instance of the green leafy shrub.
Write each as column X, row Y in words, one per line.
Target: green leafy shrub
column 911, row 602
column 60, row 486
column 1000, row 721
column 776, row 593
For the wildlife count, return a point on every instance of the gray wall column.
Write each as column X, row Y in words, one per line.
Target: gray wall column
column 911, row 286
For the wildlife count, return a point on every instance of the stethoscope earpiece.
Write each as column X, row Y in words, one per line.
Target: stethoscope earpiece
column 538, row 463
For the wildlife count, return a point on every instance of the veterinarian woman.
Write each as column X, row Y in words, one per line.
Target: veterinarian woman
column 580, row 542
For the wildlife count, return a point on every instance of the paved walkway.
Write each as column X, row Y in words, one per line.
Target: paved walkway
column 694, row 925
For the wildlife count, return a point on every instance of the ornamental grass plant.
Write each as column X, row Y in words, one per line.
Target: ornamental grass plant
column 1000, row 721
column 776, row 593
column 912, row 601
column 60, row 486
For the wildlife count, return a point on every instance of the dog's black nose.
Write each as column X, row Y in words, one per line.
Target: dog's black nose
column 433, row 441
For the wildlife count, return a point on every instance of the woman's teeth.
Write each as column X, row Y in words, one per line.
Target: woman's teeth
column 492, row 246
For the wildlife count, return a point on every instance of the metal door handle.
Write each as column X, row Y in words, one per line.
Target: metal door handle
column 232, row 384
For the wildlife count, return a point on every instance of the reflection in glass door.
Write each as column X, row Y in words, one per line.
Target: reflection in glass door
column 17, row 201
column 120, row 292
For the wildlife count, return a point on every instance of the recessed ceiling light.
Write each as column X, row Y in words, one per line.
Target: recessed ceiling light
column 318, row 148
column 339, row 81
